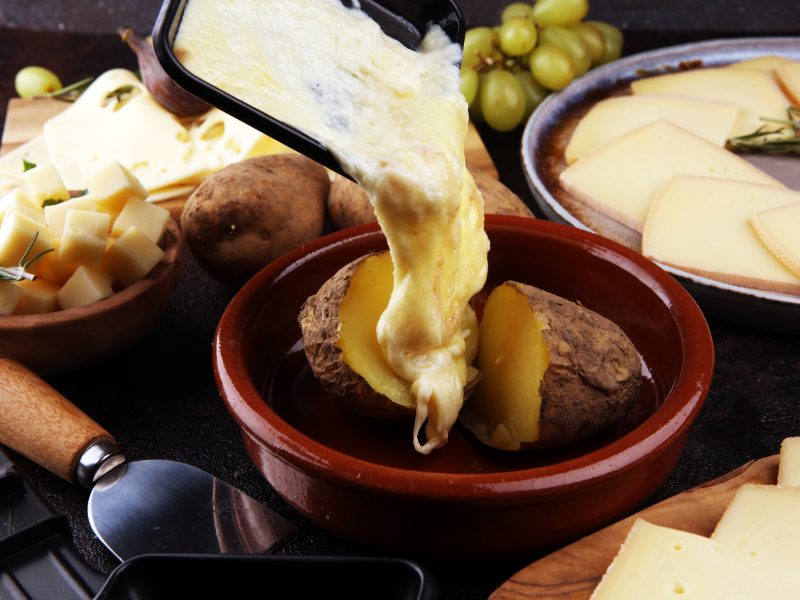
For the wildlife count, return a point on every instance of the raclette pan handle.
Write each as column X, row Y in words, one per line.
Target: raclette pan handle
column 41, row 424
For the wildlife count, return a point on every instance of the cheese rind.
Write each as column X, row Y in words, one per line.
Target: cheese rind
column 702, row 225
column 779, row 230
column 788, row 75
column 86, row 286
column 789, row 467
column 621, row 178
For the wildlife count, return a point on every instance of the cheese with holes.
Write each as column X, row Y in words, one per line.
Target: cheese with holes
column 36, row 297
column 755, row 92
column 111, row 185
column 702, row 225
column 151, row 220
column 16, row 233
column 9, row 295
column 132, row 256
column 44, row 183
column 779, row 230
column 789, row 468
column 610, row 118
column 788, row 75
column 621, row 179
column 659, row 563
column 87, row 285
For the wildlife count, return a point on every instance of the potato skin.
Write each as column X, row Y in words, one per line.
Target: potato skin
column 249, row 213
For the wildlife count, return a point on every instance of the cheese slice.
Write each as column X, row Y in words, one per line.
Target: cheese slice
column 763, row 521
column 755, row 92
column 779, row 230
column 610, row 118
column 35, row 151
column 788, row 75
column 789, row 468
column 702, row 225
column 621, row 178
column 657, row 563
column 768, row 64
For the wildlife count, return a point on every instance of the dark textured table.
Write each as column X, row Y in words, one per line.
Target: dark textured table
column 159, row 399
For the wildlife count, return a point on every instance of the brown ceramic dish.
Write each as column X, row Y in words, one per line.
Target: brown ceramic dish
column 70, row 339
column 362, row 480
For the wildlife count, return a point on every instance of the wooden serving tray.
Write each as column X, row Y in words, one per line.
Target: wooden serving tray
column 573, row 572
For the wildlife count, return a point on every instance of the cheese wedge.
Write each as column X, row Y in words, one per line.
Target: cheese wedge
column 658, row 563
column 779, row 230
column 755, row 92
column 764, row 522
column 621, row 178
column 610, row 118
column 702, row 225
column 789, row 468
column 788, row 75
column 768, row 64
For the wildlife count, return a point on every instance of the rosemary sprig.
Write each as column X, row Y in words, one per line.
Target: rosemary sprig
column 20, row 272
column 771, row 141
column 71, row 92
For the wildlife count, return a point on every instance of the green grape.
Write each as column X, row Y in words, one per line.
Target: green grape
column 571, row 43
column 469, row 84
column 475, row 112
column 36, row 81
column 613, row 37
column 534, row 91
column 517, row 36
column 594, row 41
column 559, row 12
column 478, row 44
column 516, row 9
column 502, row 100
column 552, row 67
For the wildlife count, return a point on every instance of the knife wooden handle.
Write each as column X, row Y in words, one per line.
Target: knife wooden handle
column 40, row 423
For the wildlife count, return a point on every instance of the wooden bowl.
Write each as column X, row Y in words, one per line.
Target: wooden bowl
column 70, row 339
column 362, row 480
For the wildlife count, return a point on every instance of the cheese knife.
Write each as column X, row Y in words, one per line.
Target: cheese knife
column 138, row 507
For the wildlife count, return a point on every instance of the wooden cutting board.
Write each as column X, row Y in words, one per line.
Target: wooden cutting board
column 573, row 572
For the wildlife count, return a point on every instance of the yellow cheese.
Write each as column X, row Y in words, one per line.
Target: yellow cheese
column 111, row 185
column 36, row 297
column 768, row 64
column 51, row 269
column 56, row 214
column 16, row 234
column 779, row 230
column 610, row 118
column 84, row 239
column 18, row 201
column 621, row 178
column 131, row 257
column 151, row 220
column 788, row 75
column 659, row 563
column 9, row 295
column 86, row 286
column 755, row 92
column 44, row 183
column 789, row 468
column 702, row 225
column 12, row 163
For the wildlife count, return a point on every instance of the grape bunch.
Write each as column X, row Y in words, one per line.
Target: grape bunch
column 508, row 70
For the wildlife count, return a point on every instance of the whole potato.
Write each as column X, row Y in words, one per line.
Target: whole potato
column 251, row 212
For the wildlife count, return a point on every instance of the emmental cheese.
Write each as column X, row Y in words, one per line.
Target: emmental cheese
column 657, row 563
column 610, row 118
column 621, row 178
column 789, row 467
column 702, row 225
column 779, row 230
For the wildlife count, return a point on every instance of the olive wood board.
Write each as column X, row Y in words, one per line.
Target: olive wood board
column 25, row 119
column 573, row 572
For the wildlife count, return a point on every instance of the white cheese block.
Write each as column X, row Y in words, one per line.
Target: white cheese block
column 51, row 269
column 768, row 64
column 16, row 234
column 610, row 118
column 9, row 295
column 56, row 214
column 755, row 92
column 86, row 286
column 702, row 225
column 18, row 201
column 84, row 239
column 151, row 220
column 621, row 178
column 658, row 563
column 44, row 183
column 789, row 468
column 131, row 257
column 36, row 297
column 788, row 75
column 112, row 185
column 779, row 230
column 764, row 521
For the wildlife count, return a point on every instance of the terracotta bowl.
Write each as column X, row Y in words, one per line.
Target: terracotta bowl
column 362, row 480
column 70, row 339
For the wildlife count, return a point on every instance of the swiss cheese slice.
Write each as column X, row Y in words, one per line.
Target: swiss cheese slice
column 789, row 467
column 779, row 230
column 768, row 64
column 755, row 92
column 658, row 563
column 610, row 118
column 621, row 178
column 788, row 75
column 702, row 225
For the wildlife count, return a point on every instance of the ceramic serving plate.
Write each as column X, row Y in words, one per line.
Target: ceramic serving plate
column 548, row 131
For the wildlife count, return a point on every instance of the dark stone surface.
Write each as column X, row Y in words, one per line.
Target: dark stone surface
column 159, row 397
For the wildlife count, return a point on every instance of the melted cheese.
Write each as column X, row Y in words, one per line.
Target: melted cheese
column 396, row 122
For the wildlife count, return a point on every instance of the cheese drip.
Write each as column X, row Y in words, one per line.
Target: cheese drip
column 396, row 121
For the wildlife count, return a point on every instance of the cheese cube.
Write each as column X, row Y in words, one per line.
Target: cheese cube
column 621, row 178
column 788, row 75
column 36, row 297
column 84, row 239
column 86, row 286
column 132, row 257
column 789, row 469
column 779, row 230
column 51, row 269
column 56, row 214
column 16, row 233
column 112, row 184
column 658, row 563
column 148, row 218
column 9, row 295
column 702, row 225
column 44, row 183
column 16, row 201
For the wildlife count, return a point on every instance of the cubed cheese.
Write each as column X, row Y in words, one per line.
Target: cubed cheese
column 86, row 286
column 9, row 295
column 16, row 233
column 84, row 239
column 57, row 213
column 112, row 185
column 132, row 256
column 51, row 269
column 789, row 469
column 36, row 297
column 18, row 201
column 148, row 218
column 779, row 230
column 44, row 183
